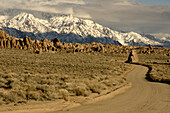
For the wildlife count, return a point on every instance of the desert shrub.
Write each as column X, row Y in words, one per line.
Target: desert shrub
column 108, row 83
column 8, row 84
column 33, row 95
column 94, row 88
column 1, row 101
column 160, row 67
column 80, row 90
column 10, row 97
column 50, row 76
column 63, row 94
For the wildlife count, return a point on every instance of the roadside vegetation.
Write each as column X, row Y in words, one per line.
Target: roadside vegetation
column 160, row 66
column 26, row 76
column 75, row 76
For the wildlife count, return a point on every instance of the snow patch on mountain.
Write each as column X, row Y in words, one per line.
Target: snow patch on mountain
column 71, row 29
column 28, row 23
column 3, row 18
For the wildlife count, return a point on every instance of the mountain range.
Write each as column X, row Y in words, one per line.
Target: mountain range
column 72, row 29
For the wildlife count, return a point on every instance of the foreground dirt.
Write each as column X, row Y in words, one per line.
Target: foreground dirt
column 60, row 105
column 143, row 97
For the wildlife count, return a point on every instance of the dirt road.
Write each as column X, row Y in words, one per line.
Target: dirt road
column 142, row 97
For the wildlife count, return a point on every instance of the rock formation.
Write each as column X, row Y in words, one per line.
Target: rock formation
column 132, row 57
column 45, row 45
column 28, row 42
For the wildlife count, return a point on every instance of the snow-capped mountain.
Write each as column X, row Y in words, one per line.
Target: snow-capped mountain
column 71, row 29
column 28, row 23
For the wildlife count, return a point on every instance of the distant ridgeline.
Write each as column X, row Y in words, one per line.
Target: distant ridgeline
column 70, row 29
column 55, row 45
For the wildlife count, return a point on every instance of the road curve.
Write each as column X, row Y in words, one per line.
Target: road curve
column 142, row 97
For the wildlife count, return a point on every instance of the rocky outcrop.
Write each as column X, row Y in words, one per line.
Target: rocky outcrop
column 7, row 41
column 132, row 57
column 27, row 42
column 57, row 46
column 45, row 45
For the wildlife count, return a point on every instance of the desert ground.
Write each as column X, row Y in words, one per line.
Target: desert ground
column 57, row 82
column 142, row 97
column 52, row 76
column 160, row 65
column 28, row 77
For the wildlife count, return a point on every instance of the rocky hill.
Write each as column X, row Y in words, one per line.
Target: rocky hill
column 71, row 29
column 45, row 45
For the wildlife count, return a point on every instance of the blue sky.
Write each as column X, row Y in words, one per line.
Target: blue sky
column 155, row 2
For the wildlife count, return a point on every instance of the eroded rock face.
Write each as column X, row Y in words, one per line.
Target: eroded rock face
column 1, row 43
column 132, row 57
column 7, row 41
column 8, row 44
column 56, row 41
column 28, row 42
column 55, row 45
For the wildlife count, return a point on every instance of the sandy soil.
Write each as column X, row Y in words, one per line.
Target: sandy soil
column 142, row 97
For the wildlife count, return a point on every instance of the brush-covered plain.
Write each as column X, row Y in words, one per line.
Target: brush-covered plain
column 160, row 64
column 26, row 76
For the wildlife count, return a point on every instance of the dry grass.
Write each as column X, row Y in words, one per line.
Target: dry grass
column 26, row 76
column 160, row 67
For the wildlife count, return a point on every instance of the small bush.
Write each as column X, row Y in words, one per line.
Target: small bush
column 9, row 97
column 33, row 95
column 64, row 94
column 80, row 91
column 94, row 88
column 1, row 101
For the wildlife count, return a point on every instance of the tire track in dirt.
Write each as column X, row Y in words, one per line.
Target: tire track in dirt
column 142, row 97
